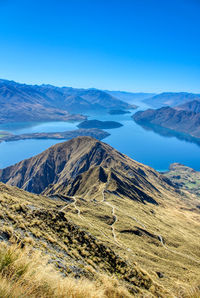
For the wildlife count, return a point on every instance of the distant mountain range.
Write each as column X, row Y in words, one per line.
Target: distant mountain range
column 130, row 96
column 21, row 102
column 171, row 99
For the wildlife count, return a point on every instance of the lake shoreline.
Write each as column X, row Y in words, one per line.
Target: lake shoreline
column 66, row 135
column 145, row 146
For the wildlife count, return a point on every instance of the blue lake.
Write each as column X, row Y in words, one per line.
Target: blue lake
column 143, row 145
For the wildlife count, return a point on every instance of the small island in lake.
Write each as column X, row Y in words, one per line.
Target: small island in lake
column 118, row 112
column 65, row 135
column 99, row 124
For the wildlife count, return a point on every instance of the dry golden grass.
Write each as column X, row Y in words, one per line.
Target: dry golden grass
column 24, row 273
column 37, row 222
column 120, row 213
column 174, row 219
column 162, row 236
column 188, row 292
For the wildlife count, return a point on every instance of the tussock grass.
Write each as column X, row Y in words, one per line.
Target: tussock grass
column 37, row 221
column 188, row 292
column 26, row 273
column 179, row 228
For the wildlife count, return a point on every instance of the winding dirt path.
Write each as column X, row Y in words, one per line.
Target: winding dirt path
column 79, row 215
column 72, row 203
column 113, row 213
column 115, row 221
column 139, row 222
column 176, row 252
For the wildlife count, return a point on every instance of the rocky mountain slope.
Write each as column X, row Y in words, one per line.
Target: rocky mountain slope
column 192, row 106
column 21, row 102
column 171, row 99
column 175, row 119
column 129, row 207
column 68, row 166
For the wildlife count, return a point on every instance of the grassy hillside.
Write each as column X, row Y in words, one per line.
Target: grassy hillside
column 26, row 273
column 127, row 206
column 185, row 178
column 40, row 223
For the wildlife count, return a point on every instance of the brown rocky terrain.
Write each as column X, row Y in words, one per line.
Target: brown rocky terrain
column 68, row 167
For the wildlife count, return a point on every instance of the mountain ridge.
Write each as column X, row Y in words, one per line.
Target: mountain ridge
column 66, row 162
column 22, row 102
column 171, row 99
column 179, row 120
column 192, row 106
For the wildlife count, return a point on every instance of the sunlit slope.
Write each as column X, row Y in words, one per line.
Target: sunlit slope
column 62, row 165
column 42, row 224
column 127, row 205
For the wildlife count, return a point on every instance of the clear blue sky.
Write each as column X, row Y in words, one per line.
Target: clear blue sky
column 134, row 45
